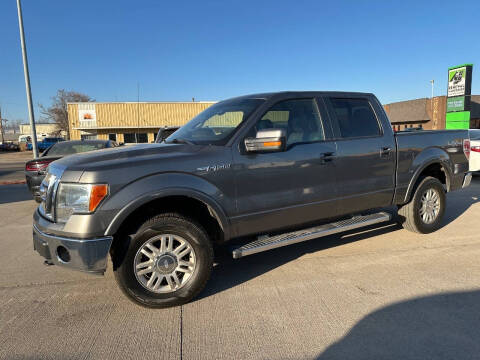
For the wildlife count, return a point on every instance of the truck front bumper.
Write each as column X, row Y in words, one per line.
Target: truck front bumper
column 88, row 255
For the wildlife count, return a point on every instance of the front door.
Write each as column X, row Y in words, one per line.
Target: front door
column 292, row 187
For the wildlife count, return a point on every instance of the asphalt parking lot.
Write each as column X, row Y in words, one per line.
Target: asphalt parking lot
column 378, row 293
column 12, row 166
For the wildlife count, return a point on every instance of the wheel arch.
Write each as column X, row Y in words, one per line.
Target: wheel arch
column 437, row 168
column 187, row 202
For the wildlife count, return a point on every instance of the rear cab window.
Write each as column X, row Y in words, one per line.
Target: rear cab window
column 354, row 118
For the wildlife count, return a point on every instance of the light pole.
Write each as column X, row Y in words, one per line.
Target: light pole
column 433, row 118
column 27, row 81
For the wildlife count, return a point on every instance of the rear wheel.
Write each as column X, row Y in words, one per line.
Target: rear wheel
column 424, row 213
column 167, row 262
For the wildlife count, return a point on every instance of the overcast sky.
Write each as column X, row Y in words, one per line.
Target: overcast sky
column 213, row 50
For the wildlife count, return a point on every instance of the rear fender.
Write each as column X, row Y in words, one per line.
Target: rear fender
column 423, row 160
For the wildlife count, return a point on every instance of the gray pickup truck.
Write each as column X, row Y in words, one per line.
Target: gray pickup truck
column 257, row 172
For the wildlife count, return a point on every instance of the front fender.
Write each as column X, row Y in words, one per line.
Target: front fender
column 154, row 187
column 425, row 158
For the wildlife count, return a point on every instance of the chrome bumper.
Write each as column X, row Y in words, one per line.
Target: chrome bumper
column 88, row 255
column 467, row 180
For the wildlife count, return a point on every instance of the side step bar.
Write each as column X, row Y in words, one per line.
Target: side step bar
column 264, row 243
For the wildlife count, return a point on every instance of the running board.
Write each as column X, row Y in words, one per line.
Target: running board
column 264, row 243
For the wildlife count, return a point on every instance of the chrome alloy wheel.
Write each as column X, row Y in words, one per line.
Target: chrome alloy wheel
column 164, row 263
column 430, row 206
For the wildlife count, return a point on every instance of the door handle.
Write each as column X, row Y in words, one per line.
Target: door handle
column 326, row 157
column 385, row 151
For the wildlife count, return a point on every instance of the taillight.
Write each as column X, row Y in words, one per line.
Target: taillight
column 37, row 165
column 475, row 148
column 466, row 148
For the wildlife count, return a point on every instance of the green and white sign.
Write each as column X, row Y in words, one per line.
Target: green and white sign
column 458, row 97
column 456, row 104
column 456, row 81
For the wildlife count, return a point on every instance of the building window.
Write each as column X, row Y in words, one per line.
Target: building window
column 129, row 138
column 88, row 137
column 112, row 137
column 142, row 138
column 135, row 138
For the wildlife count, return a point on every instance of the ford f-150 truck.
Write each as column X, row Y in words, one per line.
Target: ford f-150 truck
column 256, row 172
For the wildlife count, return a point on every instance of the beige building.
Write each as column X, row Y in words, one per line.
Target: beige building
column 128, row 122
column 43, row 129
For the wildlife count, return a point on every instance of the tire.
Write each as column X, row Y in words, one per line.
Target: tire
column 157, row 233
column 411, row 217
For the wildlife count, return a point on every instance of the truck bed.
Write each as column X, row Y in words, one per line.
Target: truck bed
column 415, row 151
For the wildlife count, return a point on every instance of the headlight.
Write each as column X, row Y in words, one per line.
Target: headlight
column 78, row 199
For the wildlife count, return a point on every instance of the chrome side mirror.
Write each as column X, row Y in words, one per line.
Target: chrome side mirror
column 268, row 140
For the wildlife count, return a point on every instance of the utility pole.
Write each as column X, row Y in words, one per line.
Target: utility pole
column 1, row 126
column 27, row 81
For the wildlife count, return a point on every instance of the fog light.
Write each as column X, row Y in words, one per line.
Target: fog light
column 63, row 254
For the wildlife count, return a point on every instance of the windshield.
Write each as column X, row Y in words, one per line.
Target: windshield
column 217, row 123
column 68, row 148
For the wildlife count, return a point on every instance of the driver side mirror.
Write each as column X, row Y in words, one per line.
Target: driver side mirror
column 268, row 140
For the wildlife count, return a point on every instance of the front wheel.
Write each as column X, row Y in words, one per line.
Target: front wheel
column 424, row 213
column 167, row 262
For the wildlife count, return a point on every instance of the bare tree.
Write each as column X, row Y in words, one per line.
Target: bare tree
column 57, row 112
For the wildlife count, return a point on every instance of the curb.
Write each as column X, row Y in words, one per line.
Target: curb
column 12, row 182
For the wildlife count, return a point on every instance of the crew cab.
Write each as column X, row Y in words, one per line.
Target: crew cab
column 254, row 172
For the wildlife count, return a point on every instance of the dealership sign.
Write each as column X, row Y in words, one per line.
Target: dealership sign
column 456, row 81
column 459, row 88
column 458, row 97
column 456, row 103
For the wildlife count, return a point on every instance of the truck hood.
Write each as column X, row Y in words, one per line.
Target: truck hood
column 133, row 158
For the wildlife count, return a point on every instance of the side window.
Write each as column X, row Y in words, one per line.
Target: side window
column 299, row 118
column 355, row 117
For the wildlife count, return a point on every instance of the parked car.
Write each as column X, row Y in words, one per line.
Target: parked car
column 165, row 132
column 255, row 172
column 475, row 150
column 24, row 138
column 35, row 169
column 9, row 146
column 45, row 143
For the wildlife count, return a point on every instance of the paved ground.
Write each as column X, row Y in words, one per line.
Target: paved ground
column 12, row 165
column 382, row 293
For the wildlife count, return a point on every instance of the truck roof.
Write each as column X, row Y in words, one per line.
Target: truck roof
column 269, row 95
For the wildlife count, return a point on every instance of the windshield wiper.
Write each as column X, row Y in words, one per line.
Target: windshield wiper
column 180, row 141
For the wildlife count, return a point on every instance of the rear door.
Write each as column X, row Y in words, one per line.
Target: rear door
column 291, row 187
column 365, row 158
